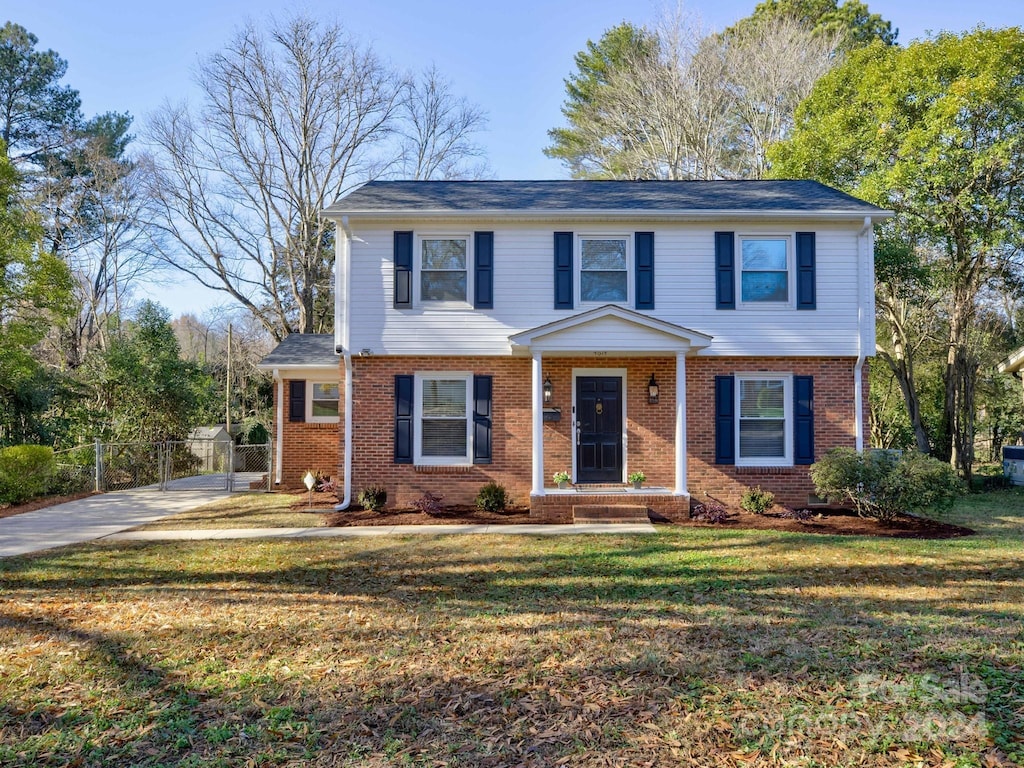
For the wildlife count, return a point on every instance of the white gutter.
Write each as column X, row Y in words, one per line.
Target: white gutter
column 866, row 248
column 278, row 457
column 342, row 344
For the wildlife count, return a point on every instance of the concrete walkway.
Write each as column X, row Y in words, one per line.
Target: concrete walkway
column 541, row 529
column 93, row 518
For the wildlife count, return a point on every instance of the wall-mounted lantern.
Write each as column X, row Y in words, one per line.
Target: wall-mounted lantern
column 652, row 391
column 549, row 390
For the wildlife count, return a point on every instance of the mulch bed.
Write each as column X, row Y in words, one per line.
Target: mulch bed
column 42, row 503
column 827, row 520
column 839, row 521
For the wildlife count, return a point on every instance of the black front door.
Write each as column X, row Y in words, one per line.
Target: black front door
column 599, row 429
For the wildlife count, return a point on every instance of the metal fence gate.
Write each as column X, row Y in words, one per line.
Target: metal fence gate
column 197, row 464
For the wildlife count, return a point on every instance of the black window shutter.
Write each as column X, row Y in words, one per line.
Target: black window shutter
column 644, row 270
column 803, row 419
column 483, row 277
column 403, row 270
column 482, row 387
column 563, row 270
column 806, row 290
column 725, row 417
column 296, row 401
column 403, row 419
column 725, row 266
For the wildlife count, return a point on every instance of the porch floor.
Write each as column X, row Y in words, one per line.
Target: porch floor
column 605, row 490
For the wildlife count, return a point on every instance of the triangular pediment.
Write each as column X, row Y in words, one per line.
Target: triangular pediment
column 610, row 328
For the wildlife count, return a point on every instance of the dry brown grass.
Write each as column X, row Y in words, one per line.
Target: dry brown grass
column 691, row 647
column 244, row 510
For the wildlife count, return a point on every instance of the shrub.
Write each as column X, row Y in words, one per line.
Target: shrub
column 757, row 501
column 492, row 498
column 25, row 471
column 373, row 498
column 709, row 512
column 882, row 485
column 429, row 504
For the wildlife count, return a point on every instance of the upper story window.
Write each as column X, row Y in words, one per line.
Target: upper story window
column 604, row 270
column 443, row 266
column 765, row 425
column 764, row 270
column 322, row 402
column 445, row 418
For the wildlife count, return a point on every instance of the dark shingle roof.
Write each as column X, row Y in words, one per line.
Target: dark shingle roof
column 626, row 196
column 302, row 349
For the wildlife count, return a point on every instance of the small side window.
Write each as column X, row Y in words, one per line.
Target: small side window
column 323, row 402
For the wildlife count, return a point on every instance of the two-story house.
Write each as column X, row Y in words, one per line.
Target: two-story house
column 712, row 334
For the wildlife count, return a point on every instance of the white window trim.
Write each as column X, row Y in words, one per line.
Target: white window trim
column 578, row 267
column 417, row 300
column 441, row 461
column 310, row 384
column 790, row 303
column 787, row 413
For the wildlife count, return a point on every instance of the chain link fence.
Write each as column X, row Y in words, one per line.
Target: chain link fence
column 197, row 464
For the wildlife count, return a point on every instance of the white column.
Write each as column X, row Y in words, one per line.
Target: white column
column 538, row 426
column 681, row 489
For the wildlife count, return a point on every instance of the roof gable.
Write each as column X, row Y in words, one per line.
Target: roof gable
column 610, row 329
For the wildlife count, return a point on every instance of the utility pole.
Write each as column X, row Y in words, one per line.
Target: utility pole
column 227, row 388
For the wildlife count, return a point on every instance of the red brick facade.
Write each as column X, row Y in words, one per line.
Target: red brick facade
column 650, row 430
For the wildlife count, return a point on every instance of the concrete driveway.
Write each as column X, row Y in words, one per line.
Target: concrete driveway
column 94, row 517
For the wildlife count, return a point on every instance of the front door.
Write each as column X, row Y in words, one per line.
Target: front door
column 599, row 429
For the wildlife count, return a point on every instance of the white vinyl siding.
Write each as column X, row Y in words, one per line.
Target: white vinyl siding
column 443, row 409
column 764, row 422
column 684, row 279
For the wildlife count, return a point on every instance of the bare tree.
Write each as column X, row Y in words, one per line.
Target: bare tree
column 436, row 131
column 772, row 65
column 288, row 123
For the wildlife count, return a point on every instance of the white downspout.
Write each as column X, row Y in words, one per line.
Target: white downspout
column 866, row 247
column 342, row 343
column 278, row 451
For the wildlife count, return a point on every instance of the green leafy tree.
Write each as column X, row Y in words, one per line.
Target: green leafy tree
column 35, row 109
column 34, row 294
column 141, row 388
column 933, row 131
column 855, row 25
column 576, row 145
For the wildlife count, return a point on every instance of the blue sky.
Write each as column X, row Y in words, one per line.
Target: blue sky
column 511, row 58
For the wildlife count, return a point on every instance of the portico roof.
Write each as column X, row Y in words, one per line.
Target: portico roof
column 609, row 328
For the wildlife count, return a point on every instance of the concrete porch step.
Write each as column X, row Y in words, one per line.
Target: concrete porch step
column 610, row 513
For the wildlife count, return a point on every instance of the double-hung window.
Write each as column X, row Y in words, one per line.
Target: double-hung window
column 765, row 270
column 764, row 426
column 444, row 408
column 604, row 270
column 444, row 270
column 322, row 402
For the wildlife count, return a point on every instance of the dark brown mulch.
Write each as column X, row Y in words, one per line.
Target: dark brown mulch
column 43, row 503
column 457, row 514
column 840, row 521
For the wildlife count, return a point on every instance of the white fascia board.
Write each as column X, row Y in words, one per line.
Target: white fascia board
column 1013, row 363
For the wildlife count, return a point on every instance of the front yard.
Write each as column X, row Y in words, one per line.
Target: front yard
column 694, row 646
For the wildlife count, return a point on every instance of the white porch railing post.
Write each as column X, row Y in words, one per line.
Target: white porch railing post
column 681, row 489
column 538, row 426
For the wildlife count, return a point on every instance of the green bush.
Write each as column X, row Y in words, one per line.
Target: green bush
column 373, row 498
column 492, row 498
column 882, row 484
column 757, row 501
column 25, row 472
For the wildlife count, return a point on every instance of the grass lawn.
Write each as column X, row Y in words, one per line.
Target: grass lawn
column 688, row 647
column 241, row 510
